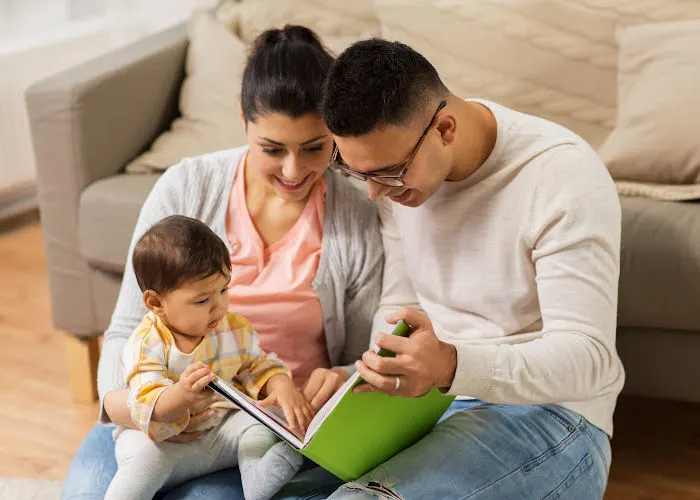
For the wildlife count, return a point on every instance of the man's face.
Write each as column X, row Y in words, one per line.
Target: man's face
column 391, row 145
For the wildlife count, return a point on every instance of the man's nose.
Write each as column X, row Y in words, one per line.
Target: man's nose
column 375, row 190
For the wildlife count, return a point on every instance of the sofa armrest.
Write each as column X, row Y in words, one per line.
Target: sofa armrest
column 86, row 124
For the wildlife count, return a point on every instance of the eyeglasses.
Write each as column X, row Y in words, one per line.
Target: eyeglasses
column 392, row 180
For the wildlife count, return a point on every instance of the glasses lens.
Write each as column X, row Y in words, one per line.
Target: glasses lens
column 343, row 170
column 388, row 181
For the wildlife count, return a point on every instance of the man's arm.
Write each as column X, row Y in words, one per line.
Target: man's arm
column 575, row 237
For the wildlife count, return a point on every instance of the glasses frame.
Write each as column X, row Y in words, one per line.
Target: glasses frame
column 395, row 180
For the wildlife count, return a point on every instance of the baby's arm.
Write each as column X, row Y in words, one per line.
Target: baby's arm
column 146, row 371
column 181, row 396
column 256, row 366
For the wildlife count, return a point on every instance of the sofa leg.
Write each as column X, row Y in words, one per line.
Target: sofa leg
column 82, row 356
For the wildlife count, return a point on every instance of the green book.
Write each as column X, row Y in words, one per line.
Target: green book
column 352, row 433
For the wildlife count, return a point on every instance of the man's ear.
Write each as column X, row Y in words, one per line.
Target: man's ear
column 447, row 126
column 154, row 302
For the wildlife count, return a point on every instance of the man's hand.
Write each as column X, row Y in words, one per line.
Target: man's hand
column 322, row 384
column 282, row 392
column 422, row 361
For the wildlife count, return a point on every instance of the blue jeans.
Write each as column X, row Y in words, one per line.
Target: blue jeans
column 478, row 450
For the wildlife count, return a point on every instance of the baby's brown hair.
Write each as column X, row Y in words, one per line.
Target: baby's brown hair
column 178, row 250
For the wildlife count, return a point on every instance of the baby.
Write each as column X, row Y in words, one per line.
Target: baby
column 185, row 340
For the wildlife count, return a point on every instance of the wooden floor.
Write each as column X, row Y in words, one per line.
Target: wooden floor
column 656, row 447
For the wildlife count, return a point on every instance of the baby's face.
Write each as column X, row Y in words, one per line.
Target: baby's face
column 196, row 307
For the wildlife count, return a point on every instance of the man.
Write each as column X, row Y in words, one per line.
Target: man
column 504, row 230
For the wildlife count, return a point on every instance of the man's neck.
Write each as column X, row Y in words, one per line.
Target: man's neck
column 476, row 137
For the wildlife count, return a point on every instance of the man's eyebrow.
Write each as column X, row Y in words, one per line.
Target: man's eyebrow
column 277, row 143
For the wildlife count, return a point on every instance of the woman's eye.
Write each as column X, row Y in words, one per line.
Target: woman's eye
column 224, row 290
column 272, row 151
column 315, row 149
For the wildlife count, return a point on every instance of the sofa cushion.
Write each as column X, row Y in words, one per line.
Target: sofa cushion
column 109, row 209
column 654, row 147
column 209, row 98
column 660, row 264
column 550, row 58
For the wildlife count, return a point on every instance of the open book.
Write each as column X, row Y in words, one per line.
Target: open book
column 352, row 433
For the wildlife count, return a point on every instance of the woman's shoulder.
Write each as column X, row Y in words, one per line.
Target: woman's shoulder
column 350, row 200
column 198, row 178
column 210, row 166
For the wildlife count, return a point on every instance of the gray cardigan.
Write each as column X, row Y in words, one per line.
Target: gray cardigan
column 348, row 281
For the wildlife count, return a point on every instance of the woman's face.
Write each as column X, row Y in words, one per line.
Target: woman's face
column 290, row 154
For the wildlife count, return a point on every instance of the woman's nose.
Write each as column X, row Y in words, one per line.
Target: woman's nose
column 292, row 169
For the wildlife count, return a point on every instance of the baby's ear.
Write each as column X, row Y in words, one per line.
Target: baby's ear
column 154, row 302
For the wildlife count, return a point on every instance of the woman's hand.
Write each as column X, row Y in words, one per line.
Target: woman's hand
column 282, row 392
column 322, row 384
column 196, row 420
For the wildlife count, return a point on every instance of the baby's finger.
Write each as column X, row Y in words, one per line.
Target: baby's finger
column 301, row 418
column 203, row 382
column 197, row 374
column 290, row 417
column 308, row 413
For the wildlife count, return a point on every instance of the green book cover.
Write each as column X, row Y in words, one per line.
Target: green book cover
column 352, row 433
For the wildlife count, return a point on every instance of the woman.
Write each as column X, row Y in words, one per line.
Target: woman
column 305, row 249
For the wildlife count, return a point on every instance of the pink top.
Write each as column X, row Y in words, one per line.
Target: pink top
column 272, row 287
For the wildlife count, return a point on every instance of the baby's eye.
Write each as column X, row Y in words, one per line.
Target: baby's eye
column 203, row 301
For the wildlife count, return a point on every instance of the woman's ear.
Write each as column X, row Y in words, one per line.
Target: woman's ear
column 240, row 110
column 154, row 302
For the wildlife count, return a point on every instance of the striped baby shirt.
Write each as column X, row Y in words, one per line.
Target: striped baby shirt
column 152, row 362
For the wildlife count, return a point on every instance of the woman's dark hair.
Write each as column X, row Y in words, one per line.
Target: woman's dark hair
column 284, row 73
column 178, row 250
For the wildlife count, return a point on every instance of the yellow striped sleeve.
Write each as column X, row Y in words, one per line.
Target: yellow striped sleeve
column 257, row 367
column 146, row 372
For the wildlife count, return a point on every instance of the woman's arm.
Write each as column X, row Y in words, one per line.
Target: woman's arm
column 164, row 200
column 365, row 284
column 114, row 405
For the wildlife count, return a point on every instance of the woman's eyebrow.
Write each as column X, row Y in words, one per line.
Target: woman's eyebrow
column 277, row 143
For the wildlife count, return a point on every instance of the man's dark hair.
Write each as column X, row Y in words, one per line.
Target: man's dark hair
column 178, row 250
column 376, row 82
column 284, row 73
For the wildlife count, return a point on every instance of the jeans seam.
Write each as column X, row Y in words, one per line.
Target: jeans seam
column 555, row 493
column 590, row 436
column 560, row 419
column 550, row 452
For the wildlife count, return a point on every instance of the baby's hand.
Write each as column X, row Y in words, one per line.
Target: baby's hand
column 193, row 384
column 297, row 410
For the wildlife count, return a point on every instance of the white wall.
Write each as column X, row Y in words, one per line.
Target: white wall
column 42, row 37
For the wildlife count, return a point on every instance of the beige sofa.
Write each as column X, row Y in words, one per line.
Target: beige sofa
column 90, row 121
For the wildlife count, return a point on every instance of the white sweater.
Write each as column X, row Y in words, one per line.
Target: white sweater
column 518, row 267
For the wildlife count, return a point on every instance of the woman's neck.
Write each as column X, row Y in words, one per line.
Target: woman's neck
column 272, row 215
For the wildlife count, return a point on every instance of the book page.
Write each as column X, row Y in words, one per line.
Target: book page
column 272, row 417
